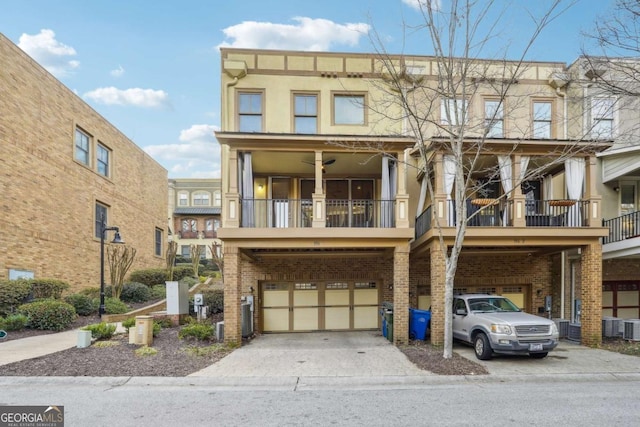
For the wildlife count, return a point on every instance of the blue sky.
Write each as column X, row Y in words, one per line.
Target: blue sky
column 151, row 67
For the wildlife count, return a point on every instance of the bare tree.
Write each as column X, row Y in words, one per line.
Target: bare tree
column 216, row 253
column 461, row 38
column 172, row 250
column 120, row 258
column 196, row 253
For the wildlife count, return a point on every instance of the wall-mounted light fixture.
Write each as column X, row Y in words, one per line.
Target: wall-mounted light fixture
column 616, row 189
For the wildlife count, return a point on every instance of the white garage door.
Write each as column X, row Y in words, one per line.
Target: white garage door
column 320, row 306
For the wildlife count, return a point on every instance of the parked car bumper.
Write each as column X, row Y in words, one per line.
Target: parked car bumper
column 500, row 344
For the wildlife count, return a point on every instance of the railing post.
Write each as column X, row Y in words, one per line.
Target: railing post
column 594, row 212
column 319, row 210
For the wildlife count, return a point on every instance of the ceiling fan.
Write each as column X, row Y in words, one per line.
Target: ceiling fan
column 324, row 163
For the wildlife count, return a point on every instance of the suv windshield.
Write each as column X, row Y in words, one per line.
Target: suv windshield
column 488, row 305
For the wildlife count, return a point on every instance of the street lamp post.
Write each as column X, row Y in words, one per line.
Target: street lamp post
column 116, row 239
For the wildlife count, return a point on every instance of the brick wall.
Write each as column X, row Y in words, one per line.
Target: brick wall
column 591, row 286
column 48, row 199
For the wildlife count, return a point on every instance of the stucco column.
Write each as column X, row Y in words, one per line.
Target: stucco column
column 232, row 293
column 319, row 198
column 593, row 211
column 402, row 198
column 440, row 206
column 438, row 274
column 401, row 294
column 231, row 205
column 591, row 287
column 518, row 208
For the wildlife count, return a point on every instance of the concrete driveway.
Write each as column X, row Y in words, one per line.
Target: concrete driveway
column 368, row 354
column 316, row 354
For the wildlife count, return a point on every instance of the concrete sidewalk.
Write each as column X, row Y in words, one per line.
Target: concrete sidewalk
column 36, row 346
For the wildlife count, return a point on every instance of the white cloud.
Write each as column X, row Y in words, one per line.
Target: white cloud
column 307, row 34
column 435, row 4
column 196, row 156
column 135, row 96
column 50, row 53
column 118, row 72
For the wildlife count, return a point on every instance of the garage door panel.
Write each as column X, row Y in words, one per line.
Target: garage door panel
column 365, row 296
column 365, row 317
column 276, row 319
column 336, row 297
column 276, row 298
column 516, row 298
column 305, row 298
column 336, row 318
column 305, row 319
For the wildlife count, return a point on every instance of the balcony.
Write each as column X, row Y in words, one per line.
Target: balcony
column 298, row 213
column 188, row 234
column 498, row 213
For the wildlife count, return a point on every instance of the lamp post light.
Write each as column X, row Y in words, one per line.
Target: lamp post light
column 116, row 239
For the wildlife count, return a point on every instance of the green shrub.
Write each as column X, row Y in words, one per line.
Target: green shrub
column 180, row 273
column 48, row 288
column 101, row 331
column 84, row 305
column 14, row 322
column 91, row 292
column 115, row 306
column 129, row 323
column 157, row 327
column 49, row 314
column 159, row 292
column 214, row 299
column 12, row 294
column 197, row 331
column 149, row 276
column 135, row 292
column 190, row 281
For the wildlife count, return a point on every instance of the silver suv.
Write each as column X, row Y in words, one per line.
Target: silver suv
column 493, row 324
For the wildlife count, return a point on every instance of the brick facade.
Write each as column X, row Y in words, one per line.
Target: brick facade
column 48, row 198
column 591, row 287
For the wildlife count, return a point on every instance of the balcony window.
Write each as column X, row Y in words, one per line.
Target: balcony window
column 305, row 110
column 183, row 199
column 542, row 120
column 453, row 111
column 201, row 199
column 493, row 119
column 602, row 118
column 348, row 109
column 250, row 112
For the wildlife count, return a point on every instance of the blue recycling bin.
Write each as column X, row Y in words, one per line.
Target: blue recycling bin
column 418, row 323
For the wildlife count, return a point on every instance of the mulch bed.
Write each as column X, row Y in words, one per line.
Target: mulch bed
column 429, row 358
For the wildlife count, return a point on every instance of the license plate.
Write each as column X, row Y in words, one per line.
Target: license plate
column 535, row 347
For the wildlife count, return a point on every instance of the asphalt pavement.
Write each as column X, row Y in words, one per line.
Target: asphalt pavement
column 365, row 355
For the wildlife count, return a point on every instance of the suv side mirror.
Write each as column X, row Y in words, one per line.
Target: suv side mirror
column 461, row 311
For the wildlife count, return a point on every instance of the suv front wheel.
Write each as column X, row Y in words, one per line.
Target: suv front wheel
column 482, row 347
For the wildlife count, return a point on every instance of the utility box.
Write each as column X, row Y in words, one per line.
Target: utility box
column 84, row 339
column 144, row 330
column 220, row 331
column 177, row 298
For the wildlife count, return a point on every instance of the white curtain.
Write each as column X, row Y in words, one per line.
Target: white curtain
column 530, row 205
column 388, row 193
column 506, row 177
column 247, row 190
column 574, row 170
column 547, row 190
column 449, row 178
column 423, row 195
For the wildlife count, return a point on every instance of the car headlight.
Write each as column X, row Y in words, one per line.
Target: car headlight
column 554, row 328
column 501, row 329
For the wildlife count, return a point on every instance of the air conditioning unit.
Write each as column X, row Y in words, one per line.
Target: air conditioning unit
column 247, row 320
column 220, row 331
column 631, row 330
column 575, row 332
column 610, row 326
column 563, row 327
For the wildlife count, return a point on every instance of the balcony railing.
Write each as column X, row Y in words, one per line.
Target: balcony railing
column 497, row 213
column 298, row 213
column 622, row 227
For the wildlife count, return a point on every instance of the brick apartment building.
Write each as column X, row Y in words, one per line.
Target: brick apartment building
column 62, row 166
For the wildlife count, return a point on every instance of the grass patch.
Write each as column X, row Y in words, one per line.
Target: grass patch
column 105, row 344
column 631, row 348
column 146, row 351
column 199, row 351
